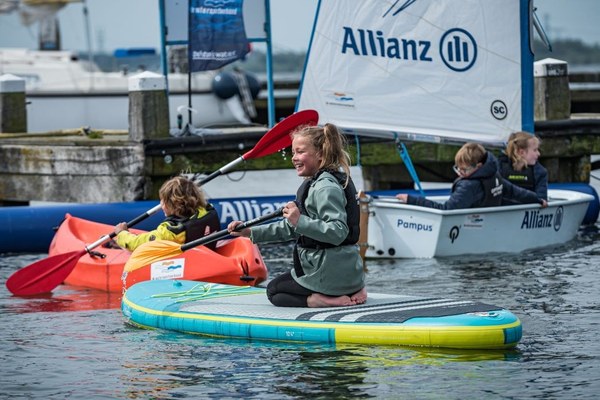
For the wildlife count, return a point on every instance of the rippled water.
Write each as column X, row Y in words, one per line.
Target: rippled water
column 74, row 343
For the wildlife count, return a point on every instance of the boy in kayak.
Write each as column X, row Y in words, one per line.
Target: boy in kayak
column 189, row 217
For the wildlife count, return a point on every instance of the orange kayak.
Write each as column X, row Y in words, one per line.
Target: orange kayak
column 235, row 261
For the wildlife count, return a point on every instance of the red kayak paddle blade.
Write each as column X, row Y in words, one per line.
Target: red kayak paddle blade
column 44, row 275
column 278, row 137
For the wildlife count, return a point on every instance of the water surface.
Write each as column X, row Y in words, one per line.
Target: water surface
column 74, row 343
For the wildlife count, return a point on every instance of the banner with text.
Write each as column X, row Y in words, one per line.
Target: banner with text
column 217, row 34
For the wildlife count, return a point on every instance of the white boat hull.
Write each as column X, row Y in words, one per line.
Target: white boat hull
column 399, row 230
column 64, row 92
column 60, row 111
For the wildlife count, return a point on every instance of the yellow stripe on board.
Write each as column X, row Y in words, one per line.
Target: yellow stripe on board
column 475, row 337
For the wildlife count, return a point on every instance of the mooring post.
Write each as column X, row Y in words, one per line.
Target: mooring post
column 551, row 85
column 148, row 107
column 13, row 111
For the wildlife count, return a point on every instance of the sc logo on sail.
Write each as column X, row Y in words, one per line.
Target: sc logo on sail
column 458, row 49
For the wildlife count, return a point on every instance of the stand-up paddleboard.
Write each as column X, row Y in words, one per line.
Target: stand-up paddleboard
column 245, row 312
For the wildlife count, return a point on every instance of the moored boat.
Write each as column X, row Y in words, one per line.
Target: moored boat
column 245, row 312
column 405, row 231
column 236, row 261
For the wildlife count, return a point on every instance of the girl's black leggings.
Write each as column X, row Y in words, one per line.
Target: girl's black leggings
column 284, row 291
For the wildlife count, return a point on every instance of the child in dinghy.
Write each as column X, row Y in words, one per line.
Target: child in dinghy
column 479, row 184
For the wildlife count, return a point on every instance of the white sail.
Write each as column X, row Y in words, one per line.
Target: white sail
column 426, row 70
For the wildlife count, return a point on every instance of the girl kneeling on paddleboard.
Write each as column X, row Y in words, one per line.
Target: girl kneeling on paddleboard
column 324, row 221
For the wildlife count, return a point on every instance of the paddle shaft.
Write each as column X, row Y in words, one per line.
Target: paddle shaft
column 275, row 139
column 133, row 222
column 221, row 234
column 222, row 170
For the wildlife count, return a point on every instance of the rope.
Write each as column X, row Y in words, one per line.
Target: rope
column 357, row 149
column 202, row 291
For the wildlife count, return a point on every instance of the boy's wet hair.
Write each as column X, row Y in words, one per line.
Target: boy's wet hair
column 182, row 196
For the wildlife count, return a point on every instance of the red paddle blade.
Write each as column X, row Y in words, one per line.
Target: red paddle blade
column 278, row 137
column 44, row 275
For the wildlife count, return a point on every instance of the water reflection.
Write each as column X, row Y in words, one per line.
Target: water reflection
column 333, row 372
column 63, row 299
column 94, row 354
column 175, row 365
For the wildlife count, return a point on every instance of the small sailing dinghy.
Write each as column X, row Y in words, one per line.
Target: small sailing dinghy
column 435, row 71
column 244, row 312
column 397, row 230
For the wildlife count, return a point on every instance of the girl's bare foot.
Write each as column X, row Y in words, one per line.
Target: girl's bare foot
column 359, row 297
column 317, row 300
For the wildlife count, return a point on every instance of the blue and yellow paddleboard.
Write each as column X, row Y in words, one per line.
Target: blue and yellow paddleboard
column 244, row 312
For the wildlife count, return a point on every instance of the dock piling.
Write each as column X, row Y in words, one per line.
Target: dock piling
column 148, row 107
column 551, row 85
column 13, row 111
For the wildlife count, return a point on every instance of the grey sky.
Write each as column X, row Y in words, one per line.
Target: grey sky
column 135, row 23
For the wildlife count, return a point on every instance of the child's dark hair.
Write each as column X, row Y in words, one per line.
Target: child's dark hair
column 182, row 196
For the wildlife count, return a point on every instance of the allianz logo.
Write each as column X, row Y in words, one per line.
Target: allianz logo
column 244, row 210
column 457, row 48
column 537, row 220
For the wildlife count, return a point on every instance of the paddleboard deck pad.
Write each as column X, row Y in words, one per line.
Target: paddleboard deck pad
column 245, row 312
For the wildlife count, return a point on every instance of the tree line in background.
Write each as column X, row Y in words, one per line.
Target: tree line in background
column 575, row 52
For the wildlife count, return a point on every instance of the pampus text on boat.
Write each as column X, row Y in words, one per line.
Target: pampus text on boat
column 414, row 226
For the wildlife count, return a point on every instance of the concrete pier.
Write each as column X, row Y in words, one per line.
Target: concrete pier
column 551, row 90
column 71, row 167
